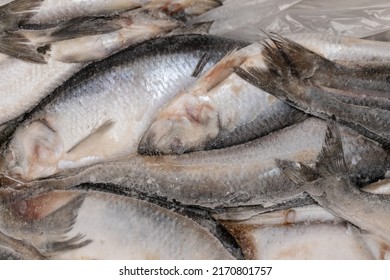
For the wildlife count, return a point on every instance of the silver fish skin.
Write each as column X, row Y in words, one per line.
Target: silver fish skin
column 55, row 11
column 219, row 110
column 126, row 228
column 59, row 225
column 125, row 90
column 18, row 77
column 356, row 96
column 331, row 184
column 241, row 175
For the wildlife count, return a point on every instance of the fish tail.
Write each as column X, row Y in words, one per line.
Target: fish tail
column 67, row 245
column 17, row 45
column 287, row 66
column 86, row 26
column 330, row 161
column 17, row 13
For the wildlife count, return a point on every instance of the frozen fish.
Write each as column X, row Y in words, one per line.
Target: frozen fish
column 103, row 111
column 241, row 175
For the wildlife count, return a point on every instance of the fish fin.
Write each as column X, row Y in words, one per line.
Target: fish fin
column 330, row 160
column 85, row 26
column 299, row 173
column 61, row 221
column 201, row 64
column 18, row 46
column 287, row 66
column 18, row 12
column 95, row 134
column 222, row 69
column 73, row 243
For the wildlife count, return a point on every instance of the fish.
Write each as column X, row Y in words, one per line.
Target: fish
column 242, row 175
column 133, row 29
column 52, row 11
column 48, row 141
column 301, row 232
column 29, row 28
column 355, row 96
column 220, row 110
column 333, row 185
column 121, row 228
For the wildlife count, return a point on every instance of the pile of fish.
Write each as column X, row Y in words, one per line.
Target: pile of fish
column 127, row 132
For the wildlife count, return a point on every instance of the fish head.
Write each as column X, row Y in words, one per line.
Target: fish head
column 185, row 125
column 33, row 152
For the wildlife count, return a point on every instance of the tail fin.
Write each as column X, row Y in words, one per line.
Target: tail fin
column 288, row 66
column 330, row 162
column 17, row 13
column 17, row 45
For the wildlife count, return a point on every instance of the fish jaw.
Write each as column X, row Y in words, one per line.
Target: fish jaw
column 33, row 152
column 184, row 126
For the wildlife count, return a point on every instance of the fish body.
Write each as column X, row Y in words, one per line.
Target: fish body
column 59, row 225
column 117, row 89
column 125, row 228
column 241, row 175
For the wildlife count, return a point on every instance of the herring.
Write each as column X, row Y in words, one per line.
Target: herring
column 102, row 112
column 59, row 225
column 242, row 175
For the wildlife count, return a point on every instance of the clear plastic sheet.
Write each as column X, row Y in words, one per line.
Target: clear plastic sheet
column 356, row 18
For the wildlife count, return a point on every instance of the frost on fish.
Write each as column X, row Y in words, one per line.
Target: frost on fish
column 308, row 232
column 241, row 175
column 334, row 187
column 112, row 91
column 125, row 228
column 220, row 110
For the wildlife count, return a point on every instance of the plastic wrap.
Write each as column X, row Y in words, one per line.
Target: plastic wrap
column 355, row 18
